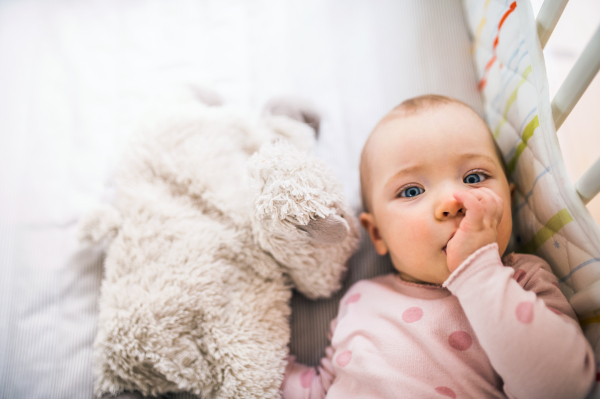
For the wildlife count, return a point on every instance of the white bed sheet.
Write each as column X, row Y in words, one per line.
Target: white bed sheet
column 76, row 78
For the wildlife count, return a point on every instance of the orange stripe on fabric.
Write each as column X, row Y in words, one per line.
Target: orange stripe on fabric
column 490, row 63
column 506, row 14
column 482, row 83
column 483, row 80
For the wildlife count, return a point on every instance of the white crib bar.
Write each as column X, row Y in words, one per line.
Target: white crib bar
column 577, row 81
column 588, row 185
column 548, row 17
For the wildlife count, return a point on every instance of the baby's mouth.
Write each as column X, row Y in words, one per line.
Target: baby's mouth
column 445, row 246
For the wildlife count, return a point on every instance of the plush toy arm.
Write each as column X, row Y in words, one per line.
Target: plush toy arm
column 301, row 219
column 100, row 224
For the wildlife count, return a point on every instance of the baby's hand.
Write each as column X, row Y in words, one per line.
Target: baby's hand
column 478, row 228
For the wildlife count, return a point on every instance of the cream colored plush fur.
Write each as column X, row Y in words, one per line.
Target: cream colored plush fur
column 217, row 216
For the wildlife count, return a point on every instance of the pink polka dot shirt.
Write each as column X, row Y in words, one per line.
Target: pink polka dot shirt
column 489, row 331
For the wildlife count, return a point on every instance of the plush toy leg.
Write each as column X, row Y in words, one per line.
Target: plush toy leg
column 300, row 217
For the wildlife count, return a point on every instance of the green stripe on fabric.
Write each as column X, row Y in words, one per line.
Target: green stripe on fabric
column 554, row 224
column 497, row 131
column 590, row 320
column 511, row 99
column 527, row 133
column 513, row 95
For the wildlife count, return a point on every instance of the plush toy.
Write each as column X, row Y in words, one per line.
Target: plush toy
column 217, row 216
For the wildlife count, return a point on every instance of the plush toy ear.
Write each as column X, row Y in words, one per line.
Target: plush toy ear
column 294, row 108
column 330, row 230
column 207, row 96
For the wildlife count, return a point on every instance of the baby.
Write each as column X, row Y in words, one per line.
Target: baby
column 455, row 321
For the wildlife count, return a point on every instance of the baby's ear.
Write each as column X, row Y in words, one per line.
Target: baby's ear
column 512, row 188
column 368, row 222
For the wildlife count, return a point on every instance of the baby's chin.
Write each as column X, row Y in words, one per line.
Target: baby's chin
column 437, row 272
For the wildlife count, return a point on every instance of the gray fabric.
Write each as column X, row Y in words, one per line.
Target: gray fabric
column 310, row 319
column 128, row 395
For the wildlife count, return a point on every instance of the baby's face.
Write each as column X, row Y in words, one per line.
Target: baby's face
column 416, row 163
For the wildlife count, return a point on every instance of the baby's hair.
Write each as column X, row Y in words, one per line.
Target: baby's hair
column 407, row 108
column 414, row 105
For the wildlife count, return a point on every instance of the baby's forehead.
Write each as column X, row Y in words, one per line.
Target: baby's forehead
column 443, row 127
column 423, row 123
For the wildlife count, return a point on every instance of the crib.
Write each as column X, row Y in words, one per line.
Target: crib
column 77, row 77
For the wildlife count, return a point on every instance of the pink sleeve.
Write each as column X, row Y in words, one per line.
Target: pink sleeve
column 526, row 328
column 304, row 382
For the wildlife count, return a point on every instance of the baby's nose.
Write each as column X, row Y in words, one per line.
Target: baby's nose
column 449, row 207
column 459, row 212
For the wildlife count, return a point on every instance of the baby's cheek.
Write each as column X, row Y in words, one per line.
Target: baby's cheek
column 505, row 228
column 411, row 234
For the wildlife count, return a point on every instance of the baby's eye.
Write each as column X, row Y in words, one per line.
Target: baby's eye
column 474, row 178
column 411, row 192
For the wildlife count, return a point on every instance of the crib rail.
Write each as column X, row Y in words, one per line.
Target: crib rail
column 578, row 80
column 548, row 18
column 589, row 184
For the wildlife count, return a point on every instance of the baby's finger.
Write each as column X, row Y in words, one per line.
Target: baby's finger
column 498, row 210
column 477, row 193
column 473, row 206
column 487, row 201
column 488, row 192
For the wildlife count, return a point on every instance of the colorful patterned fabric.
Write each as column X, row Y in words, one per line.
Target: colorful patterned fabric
column 549, row 218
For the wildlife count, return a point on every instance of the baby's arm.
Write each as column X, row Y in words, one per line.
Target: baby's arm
column 537, row 352
column 525, row 327
column 304, row 382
